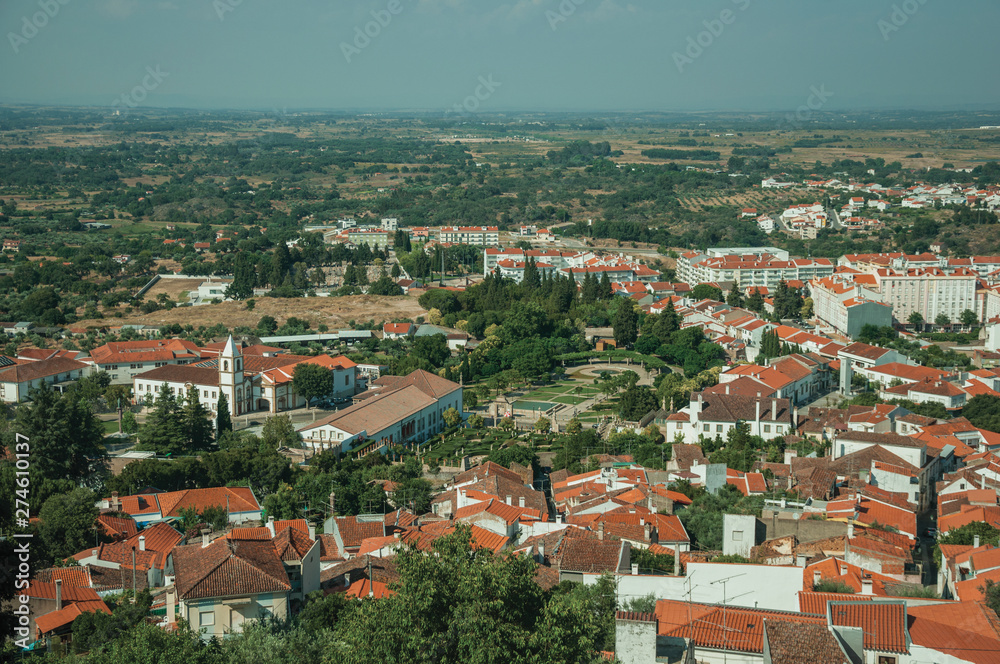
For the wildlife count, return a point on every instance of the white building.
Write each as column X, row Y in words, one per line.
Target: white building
column 404, row 410
column 484, row 236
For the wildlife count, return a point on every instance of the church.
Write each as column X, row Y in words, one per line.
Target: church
column 252, row 383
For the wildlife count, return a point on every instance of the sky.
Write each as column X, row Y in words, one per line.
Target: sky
column 503, row 56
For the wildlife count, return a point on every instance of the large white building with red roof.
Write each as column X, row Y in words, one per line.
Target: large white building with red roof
column 123, row 360
column 251, row 383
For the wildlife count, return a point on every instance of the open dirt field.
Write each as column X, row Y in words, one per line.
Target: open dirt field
column 335, row 312
column 173, row 288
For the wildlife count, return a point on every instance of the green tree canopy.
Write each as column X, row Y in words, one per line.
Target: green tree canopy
column 312, row 381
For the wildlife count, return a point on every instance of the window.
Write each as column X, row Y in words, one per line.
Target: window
column 347, row 380
column 206, row 618
column 767, row 428
column 718, row 428
column 707, row 428
column 779, row 429
column 737, row 536
column 885, row 659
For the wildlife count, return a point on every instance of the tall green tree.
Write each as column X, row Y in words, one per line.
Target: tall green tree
column 604, row 289
column 244, row 277
column 223, row 420
column 66, row 522
column 63, row 436
column 755, row 302
column 625, row 324
column 163, row 431
column 735, row 297
column 196, row 421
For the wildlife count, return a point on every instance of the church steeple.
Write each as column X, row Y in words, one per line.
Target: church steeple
column 231, row 376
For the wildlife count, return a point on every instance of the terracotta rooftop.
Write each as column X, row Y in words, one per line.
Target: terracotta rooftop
column 228, row 568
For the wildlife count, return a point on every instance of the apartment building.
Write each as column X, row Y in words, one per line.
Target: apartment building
column 847, row 307
column 762, row 267
column 930, row 292
column 483, row 236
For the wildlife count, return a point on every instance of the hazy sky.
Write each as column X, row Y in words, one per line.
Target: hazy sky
column 640, row 55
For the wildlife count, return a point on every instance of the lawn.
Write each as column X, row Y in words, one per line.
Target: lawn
column 533, row 405
column 572, row 401
column 111, row 426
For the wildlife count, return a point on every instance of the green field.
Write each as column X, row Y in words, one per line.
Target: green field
column 533, row 405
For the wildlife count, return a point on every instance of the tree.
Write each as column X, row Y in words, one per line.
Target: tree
column 735, row 297
column 163, row 432
column 312, row 381
column 604, row 289
column 543, row 425
column 476, row 421
column 196, row 422
column 942, row 320
column 807, row 308
column 637, row 402
column 755, row 302
column 983, row 411
column 322, row 611
column 574, row 427
column 916, row 320
column 469, row 399
column 395, row 272
column 507, row 423
column 385, row 286
column 451, row 417
column 267, row 325
column 63, row 436
column 433, row 348
column 280, row 432
column 625, row 324
column 484, row 608
column 706, row 292
column 66, row 522
column 223, row 419
column 244, row 277
column 968, row 318
column 770, row 344
column 129, row 424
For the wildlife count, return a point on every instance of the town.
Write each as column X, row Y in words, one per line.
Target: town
column 356, row 380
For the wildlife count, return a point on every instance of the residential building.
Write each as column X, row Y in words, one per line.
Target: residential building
column 710, row 415
column 844, row 306
column 17, row 381
column 229, row 582
column 483, row 236
column 147, row 509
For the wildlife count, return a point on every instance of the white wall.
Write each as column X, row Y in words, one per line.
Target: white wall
column 761, row 586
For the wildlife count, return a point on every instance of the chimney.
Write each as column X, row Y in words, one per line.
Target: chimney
column 635, row 569
column 171, row 608
column 975, row 542
column 270, row 525
column 508, row 499
column 677, row 559
column 817, row 578
column 142, row 542
column 115, row 504
column 520, row 501
column 58, row 594
column 850, row 530
column 600, row 531
column 541, row 552
column 795, row 421
column 867, row 586
column 647, row 531
column 312, row 532
column 758, row 410
column 559, row 518
column 204, row 539
column 774, row 409
column 333, row 503
column 727, row 389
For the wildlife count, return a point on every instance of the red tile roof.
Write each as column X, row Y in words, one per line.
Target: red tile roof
column 56, row 620
column 229, row 568
column 883, row 623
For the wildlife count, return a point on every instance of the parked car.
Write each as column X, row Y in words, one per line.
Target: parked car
column 932, row 532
